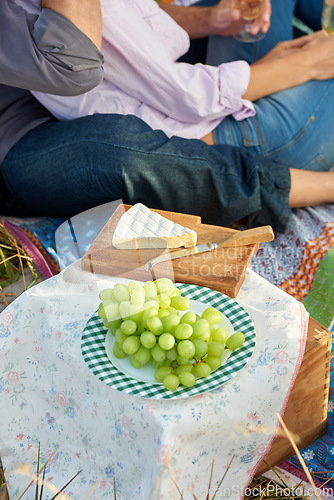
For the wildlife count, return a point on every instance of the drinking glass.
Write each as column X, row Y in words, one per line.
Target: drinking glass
column 327, row 18
column 250, row 10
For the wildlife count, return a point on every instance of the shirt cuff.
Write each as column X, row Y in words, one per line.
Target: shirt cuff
column 234, row 80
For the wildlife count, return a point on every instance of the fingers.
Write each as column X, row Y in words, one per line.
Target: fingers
column 262, row 23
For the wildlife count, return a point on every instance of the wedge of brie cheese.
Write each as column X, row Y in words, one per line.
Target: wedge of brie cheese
column 139, row 227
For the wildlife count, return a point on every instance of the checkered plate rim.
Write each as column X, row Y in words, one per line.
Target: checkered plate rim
column 94, row 354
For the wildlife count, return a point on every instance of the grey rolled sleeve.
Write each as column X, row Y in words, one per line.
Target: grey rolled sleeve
column 48, row 54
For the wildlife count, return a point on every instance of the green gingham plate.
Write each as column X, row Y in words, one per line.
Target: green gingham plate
column 94, row 352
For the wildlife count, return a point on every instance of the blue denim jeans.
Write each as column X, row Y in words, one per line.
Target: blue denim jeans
column 63, row 168
column 296, row 125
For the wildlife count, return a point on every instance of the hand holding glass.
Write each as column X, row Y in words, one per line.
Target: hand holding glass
column 249, row 10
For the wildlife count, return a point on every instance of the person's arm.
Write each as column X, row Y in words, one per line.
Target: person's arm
column 220, row 19
column 85, row 14
column 139, row 63
column 46, row 52
column 292, row 63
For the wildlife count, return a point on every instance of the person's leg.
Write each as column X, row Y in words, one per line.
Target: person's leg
column 295, row 126
column 63, row 168
column 226, row 49
column 311, row 188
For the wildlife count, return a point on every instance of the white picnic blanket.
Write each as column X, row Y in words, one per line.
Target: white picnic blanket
column 49, row 395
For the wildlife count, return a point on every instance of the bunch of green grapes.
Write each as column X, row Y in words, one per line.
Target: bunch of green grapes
column 153, row 323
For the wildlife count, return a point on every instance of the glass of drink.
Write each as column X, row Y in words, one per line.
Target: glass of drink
column 250, row 10
column 327, row 18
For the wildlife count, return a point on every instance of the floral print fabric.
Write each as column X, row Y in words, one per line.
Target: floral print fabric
column 49, row 395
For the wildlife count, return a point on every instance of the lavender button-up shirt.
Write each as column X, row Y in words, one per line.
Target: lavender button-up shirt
column 141, row 45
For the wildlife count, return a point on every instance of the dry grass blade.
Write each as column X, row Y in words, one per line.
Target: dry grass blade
column 160, row 480
column 210, row 481
column 153, row 490
column 222, row 479
column 65, row 486
column 171, row 479
column 36, row 476
column 300, row 458
column 13, row 260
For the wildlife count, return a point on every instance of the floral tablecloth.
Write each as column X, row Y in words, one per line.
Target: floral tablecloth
column 49, row 395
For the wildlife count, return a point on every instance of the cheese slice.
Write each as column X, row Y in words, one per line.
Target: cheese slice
column 139, row 227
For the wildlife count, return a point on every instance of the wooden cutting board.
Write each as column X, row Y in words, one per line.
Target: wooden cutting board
column 222, row 269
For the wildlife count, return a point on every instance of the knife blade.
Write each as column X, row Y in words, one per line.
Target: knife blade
column 184, row 252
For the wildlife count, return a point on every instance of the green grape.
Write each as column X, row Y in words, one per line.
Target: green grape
column 202, row 370
column 171, row 354
column 213, row 362
column 148, row 313
column 235, row 341
column 173, row 291
column 187, row 379
column 106, row 294
column 101, row 312
column 125, row 309
column 180, row 303
column 136, row 313
column 208, row 310
column 166, row 341
column 140, row 328
column 134, row 362
column 213, row 316
column 215, row 349
column 189, row 317
column 206, row 336
column 157, row 364
column 119, row 337
column 134, row 285
column 112, row 325
column 128, row 327
column 148, row 339
column 158, row 354
column 163, row 284
column 150, row 289
column 118, row 351
column 200, row 328
column 138, row 297
column 162, row 313
column 154, row 324
column 143, row 355
column 201, row 347
column 171, row 382
column 188, row 367
column 121, row 292
column 219, row 335
column 186, row 349
column 151, row 303
column 111, row 309
column 183, row 331
column 182, row 361
column 164, row 300
column 162, row 372
column 172, row 310
column 170, row 322
column 131, row 344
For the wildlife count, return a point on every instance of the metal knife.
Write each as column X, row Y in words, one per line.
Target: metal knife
column 206, row 247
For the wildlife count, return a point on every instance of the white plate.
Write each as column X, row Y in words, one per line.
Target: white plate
column 146, row 372
column 94, row 353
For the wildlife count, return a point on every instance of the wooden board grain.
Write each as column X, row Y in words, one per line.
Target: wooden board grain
column 222, row 269
column 305, row 414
